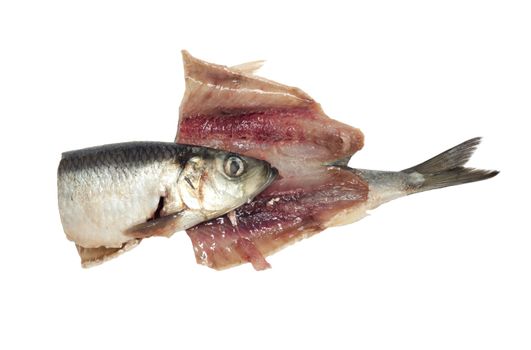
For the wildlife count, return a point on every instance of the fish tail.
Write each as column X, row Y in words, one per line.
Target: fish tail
column 447, row 169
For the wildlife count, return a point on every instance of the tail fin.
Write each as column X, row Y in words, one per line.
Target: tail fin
column 447, row 168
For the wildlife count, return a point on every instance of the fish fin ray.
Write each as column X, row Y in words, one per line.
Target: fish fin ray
column 447, row 168
column 452, row 158
column 248, row 67
column 454, row 177
column 162, row 226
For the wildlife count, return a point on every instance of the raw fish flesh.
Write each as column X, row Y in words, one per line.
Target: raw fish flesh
column 234, row 110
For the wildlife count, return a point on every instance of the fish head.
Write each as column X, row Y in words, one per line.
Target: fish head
column 219, row 181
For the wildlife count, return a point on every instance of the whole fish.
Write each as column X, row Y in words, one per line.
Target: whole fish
column 111, row 197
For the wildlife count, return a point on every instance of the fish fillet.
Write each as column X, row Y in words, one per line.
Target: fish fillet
column 236, row 111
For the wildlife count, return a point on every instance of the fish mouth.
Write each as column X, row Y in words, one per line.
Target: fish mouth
column 272, row 174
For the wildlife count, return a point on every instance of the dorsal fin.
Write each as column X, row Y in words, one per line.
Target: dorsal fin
column 248, row 67
column 212, row 88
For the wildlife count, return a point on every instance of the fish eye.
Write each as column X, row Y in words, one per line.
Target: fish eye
column 234, row 166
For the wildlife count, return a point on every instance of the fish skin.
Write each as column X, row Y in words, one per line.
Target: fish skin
column 104, row 191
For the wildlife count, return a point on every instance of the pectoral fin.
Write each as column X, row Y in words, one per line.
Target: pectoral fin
column 95, row 256
column 162, row 226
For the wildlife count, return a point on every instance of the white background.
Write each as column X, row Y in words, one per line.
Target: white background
column 448, row 269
